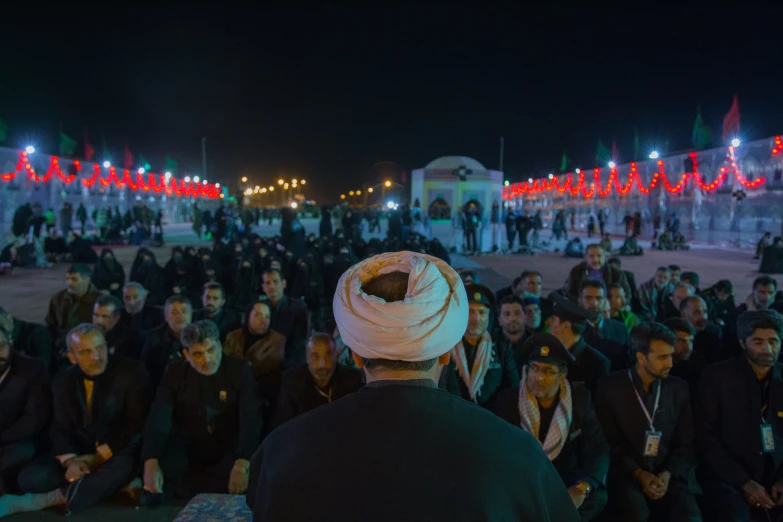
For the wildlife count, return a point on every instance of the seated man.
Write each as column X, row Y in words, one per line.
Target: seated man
column 665, row 241
column 289, row 317
column 618, row 309
column 163, row 344
column 680, row 243
column 511, row 318
column 30, row 339
column 594, row 268
column 100, row 404
column 688, row 365
column 671, row 306
column 72, row 306
column 762, row 245
column 708, row 342
column 606, row 243
column 203, row 426
column 561, row 417
column 631, row 247
column 213, row 300
column 647, row 421
column 25, row 405
column 738, row 421
column 121, row 341
column 608, row 336
column 319, row 382
column 574, row 248
column 654, row 293
column 136, row 314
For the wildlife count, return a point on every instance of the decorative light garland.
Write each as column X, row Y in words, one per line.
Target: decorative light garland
column 155, row 182
column 595, row 187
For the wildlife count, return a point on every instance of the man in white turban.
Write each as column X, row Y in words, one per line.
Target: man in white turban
column 404, row 449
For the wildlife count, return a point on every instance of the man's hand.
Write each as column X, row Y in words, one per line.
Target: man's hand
column 652, row 486
column 665, row 477
column 153, row 477
column 777, row 492
column 237, row 481
column 75, row 469
column 757, row 496
column 577, row 496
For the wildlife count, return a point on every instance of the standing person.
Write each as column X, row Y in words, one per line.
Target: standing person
column 602, row 221
column 538, row 224
column 470, row 221
column 457, row 234
column 325, row 226
column 647, row 420
column 738, row 421
column 591, row 225
column 494, row 218
column 289, row 317
column 66, row 218
column 511, row 229
column 81, row 215
column 628, row 224
column 402, row 342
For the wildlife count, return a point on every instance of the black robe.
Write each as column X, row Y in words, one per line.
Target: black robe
column 33, row 340
column 124, row 342
column 289, row 318
column 612, row 340
column 107, row 273
column 25, row 400
column 160, row 348
column 407, row 437
column 226, row 320
column 590, row 365
column 147, row 319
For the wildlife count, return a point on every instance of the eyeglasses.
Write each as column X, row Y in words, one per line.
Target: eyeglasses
column 546, row 372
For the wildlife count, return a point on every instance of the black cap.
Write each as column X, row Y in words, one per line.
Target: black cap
column 480, row 294
column 570, row 311
column 545, row 347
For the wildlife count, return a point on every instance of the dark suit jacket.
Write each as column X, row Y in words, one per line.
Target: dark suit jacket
column 33, row 340
column 59, row 320
column 610, row 274
column 160, row 348
column 501, row 374
column 728, row 416
column 585, row 454
column 289, row 318
column 124, row 342
column 148, row 319
column 227, row 321
column 120, row 399
column 625, row 426
column 25, row 399
column 709, row 344
column 412, row 438
column 298, row 392
column 589, row 367
column 614, row 342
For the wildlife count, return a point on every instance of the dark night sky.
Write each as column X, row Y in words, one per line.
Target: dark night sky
column 325, row 94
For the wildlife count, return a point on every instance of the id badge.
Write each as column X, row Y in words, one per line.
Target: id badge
column 767, row 438
column 652, row 440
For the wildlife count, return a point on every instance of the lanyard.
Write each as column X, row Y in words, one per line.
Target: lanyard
column 328, row 396
column 641, row 402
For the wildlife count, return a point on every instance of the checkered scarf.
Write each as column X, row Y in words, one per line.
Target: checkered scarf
column 530, row 417
column 484, row 356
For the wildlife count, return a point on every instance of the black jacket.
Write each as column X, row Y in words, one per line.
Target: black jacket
column 585, row 454
column 709, row 344
column 33, row 340
column 120, row 400
column 728, row 418
column 410, row 439
column 227, row 321
column 589, row 367
column 625, row 426
column 289, row 318
column 214, row 415
column 298, row 393
column 613, row 341
column 501, row 374
column 148, row 319
column 25, row 399
column 160, row 348
column 124, row 342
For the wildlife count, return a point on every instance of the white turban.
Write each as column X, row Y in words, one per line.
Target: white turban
column 426, row 324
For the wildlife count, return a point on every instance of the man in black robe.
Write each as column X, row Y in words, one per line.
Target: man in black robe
column 100, row 404
column 30, row 339
column 761, row 298
column 688, row 365
column 608, row 336
column 320, row 381
column 671, row 306
column 646, row 418
column 545, row 402
column 204, row 423
column 136, row 313
column 214, row 301
column 708, row 342
column 121, row 341
column 289, row 317
column 402, row 433
column 479, row 368
column 25, row 405
column 163, row 344
column 738, row 419
column 567, row 323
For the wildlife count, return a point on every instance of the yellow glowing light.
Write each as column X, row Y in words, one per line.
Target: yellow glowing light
column 244, row 179
column 271, row 188
column 358, row 192
column 342, row 196
column 388, row 184
column 369, row 190
column 258, row 188
column 285, row 186
column 294, row 181
column 303, row 182
column 280, row 182
column 350, row 193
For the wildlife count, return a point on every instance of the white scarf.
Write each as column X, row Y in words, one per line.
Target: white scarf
column 530, row 417
column 426, row 324
column 484, row 356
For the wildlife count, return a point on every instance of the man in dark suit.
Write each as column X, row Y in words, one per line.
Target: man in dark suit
column 563, row 420
column 513, row 333
column 25, row 405
column 594, row 268
column 320, row 381
column 671, row 305
column 214, row 300
column 163, row 345
column 761, row 298
column 100, row 405
column 708, row 342
column 740, row 424
column 71, row 306
column 404, row 434
column 567, row 323
column 688, row 365
column 122, row 342
column 204, row 424
column 136, row 314
column 647, row 421
column 30, row 339
column 289, row 318
column 608, row 336
column 480, row 368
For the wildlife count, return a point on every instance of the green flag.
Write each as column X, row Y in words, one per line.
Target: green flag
column 602, row 154
column 171, row 165
column 67, row 145
column 564, row 162
column 144, row 163
column 3, row 130
column 702, row 136
column 105, row 148
column 636, row 146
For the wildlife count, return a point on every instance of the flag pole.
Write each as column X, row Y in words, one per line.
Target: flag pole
column 204, row 158
column 502, row 143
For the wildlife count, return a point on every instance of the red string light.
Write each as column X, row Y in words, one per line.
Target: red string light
column 777, row 147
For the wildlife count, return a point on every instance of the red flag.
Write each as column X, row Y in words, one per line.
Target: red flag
column 128, row 157
column 615, row 151
column 731, row 122
column 89, row 150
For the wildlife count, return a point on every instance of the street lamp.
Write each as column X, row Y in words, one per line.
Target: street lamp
column 342, row 196
column 196, row 179
column 271, row 188
column 258, row 188
column 187, row 179
column 280, row 182
column 30, row 149
column 350, row 193
column 244, row 179
column 285, row 186
column 654, row 154
column 358, row 192
column 388, row 184
column 735, row 142
column 369, row 190
column 106, row 164
column 612, row 164
column 303, row 182
column 294, row 181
